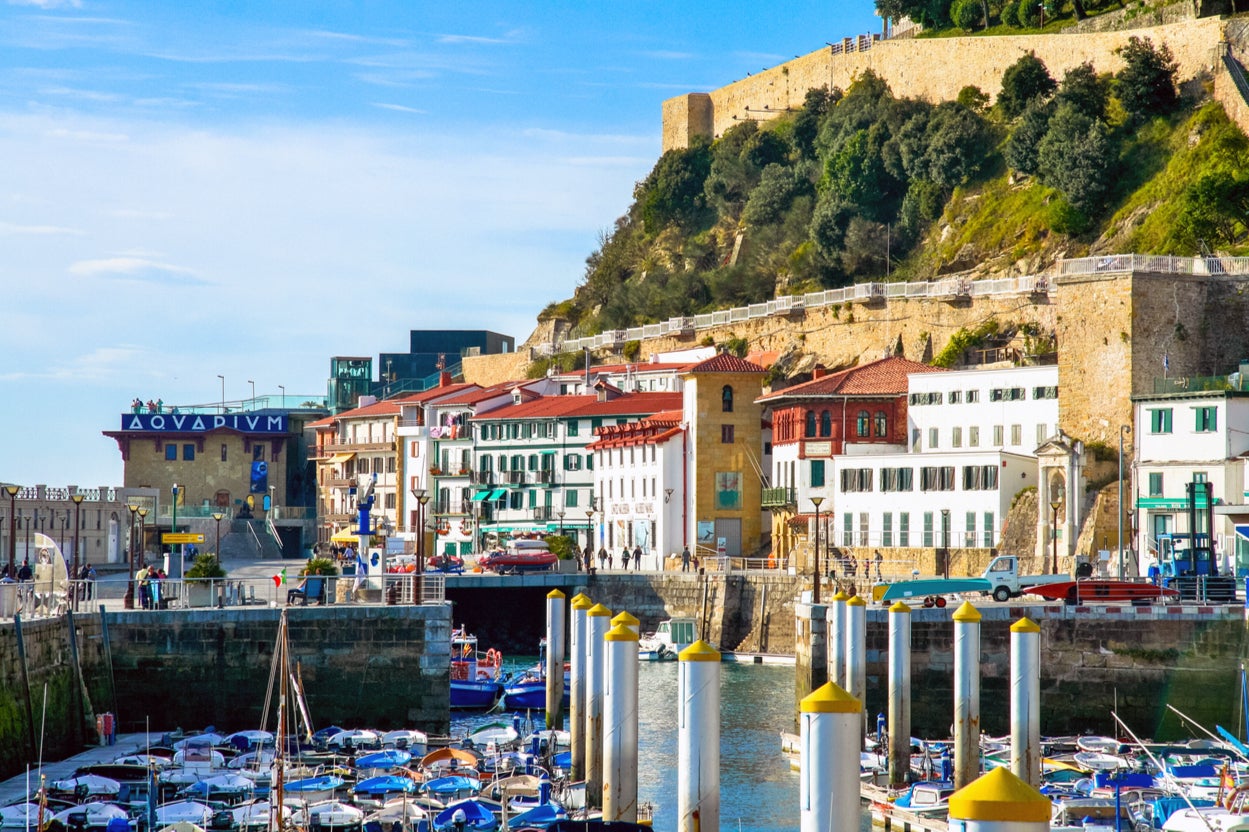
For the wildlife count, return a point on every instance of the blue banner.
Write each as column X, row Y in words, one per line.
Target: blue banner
column 202, row 422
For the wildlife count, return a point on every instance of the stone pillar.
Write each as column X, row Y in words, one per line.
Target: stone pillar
column 810, row 649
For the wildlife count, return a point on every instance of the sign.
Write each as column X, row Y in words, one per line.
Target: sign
column 203, row 422
column 181, row 537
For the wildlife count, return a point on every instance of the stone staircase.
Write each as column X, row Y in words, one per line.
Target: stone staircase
column 247, row 540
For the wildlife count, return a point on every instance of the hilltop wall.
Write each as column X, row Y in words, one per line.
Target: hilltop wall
column 934, row 69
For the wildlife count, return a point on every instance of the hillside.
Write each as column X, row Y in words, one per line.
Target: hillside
column 865, row 185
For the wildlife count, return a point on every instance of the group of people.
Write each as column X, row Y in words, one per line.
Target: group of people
column 158, row 406
column 148, row 579
column 607, row 561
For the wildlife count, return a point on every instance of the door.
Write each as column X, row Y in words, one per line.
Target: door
column 730, row 528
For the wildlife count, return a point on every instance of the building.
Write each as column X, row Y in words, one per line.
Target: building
column 350, row 378
column 353, row 448
column 100, row 523
column 433, row 350
column 1182, row 439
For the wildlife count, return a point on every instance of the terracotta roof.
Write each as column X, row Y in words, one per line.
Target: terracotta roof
column 548, row 407
column 667, row 417
column 884, row 377
column 764, row 358
column 481, row 394
column 389, row 407
column 644, row 432
column 435, row 392
column 726, row 363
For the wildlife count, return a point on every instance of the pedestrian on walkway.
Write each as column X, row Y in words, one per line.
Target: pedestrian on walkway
column 637, row 558
column 624, row 558
column 685, row 559
column 602, row 557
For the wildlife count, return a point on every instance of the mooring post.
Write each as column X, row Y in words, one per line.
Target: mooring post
column 966, row 695
column 899, row 694
column 830, row 744
column 856, row 656
column 1025, row 701
column 620, row 726
column 999, row 802
column 698, row 738
column 597, row 620
column 577, row 670
column 554, row 660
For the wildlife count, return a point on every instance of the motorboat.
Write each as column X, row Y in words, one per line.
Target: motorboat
column 354, row 740
column 224, row 788
column 381, row 762
column 452, row 787
column 495, row 736
column 256, row 814
column 1084, row 814
column 406, row 739
column 385, row 787
column 89, row 815
column 190, row 811
column 476, row 677
column 668, row 640
column 313, row 789
column 333, row 814
column 1089, row 590
column 928, row 798
column 467, row 815
column 519, row 557
column 87, row 786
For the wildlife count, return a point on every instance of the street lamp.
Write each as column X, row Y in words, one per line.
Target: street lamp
column 142, row 529
column 945, row 543
column 560, row 515
column 282, row 387
column 12, row 490
column 218, row 516
column 1123, row 429
column 174, row 529
column 253, row 399
column 422, row 497
column 223, row 392
column 76, row 499
column 815, row 596
column 128, row 601
column 1055, row 505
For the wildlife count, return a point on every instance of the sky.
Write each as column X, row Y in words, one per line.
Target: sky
column 197, row 189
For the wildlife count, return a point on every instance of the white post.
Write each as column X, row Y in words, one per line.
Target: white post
column 620, row 725
column 577, row 699
column 856, row 654
column 966, row 695
column 830, row 739
column 837, row 639
column 597, row 619
column 698, row 738
column 999, row 802
column 626, row 619
column 1025, row 701
column 554, row 660
column 899, row 694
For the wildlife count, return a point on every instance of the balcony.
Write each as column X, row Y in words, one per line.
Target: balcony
column 481, row 477
column 451, row 507
column 516, row 477
column 542, row 514
column 778, row 497
column 486, row 513
column 545, row 477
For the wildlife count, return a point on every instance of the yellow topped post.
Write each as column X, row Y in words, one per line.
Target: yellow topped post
column 1000, row 802
column 628, row 620
column 966, row 695
column 830, row 744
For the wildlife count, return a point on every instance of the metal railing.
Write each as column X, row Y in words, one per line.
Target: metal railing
column 777, row 497
column 1160, row 263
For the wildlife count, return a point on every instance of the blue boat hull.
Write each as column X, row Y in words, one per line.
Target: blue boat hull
column 529, row 696
column 474, row 695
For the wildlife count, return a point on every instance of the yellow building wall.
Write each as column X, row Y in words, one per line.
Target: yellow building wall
column 705, row 416
column 201, row 478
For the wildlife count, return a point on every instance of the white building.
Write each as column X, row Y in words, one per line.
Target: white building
column 1185, row 438
column 1013, row 410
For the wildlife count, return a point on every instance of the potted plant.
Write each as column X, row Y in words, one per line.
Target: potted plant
column 435, row 470
column 201, row 580
column 564, row 548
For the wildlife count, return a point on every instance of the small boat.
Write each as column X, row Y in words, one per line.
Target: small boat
column 93, row 815
column 333, row 814
column 313, row 789
column 476, row 677
column 87, row 785
column 190, row 811
column 406, row 740
column 1085, row 814
column 1090, row 590
column 539, row 817
column 1104, row 745
column 385, row 787
column 468, row 815
column 381, row 762
column 668, row 640
column 1097, row 761
column 224, row 788
column 928, row 798
column 448, row 759
column 496, row 736
column 519, row 560
column 452, row 787
column 354, row 740
column 256, row 814
column 528, row 691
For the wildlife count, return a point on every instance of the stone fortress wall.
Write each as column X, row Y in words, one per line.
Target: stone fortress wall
column 934, row 69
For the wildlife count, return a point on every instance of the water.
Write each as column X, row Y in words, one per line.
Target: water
column 758, row 791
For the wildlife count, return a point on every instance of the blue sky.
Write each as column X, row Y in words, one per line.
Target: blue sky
column 192, row 189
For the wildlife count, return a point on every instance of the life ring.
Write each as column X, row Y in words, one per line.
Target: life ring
column 492, row 656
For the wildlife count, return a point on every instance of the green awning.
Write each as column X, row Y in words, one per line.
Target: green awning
column 480, row 495
column 497, row 494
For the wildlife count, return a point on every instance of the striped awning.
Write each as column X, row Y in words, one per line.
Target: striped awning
column 480, row 495
column 497, row 494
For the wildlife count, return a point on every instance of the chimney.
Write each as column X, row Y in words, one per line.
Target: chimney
column 819, row 372
column 444, row 379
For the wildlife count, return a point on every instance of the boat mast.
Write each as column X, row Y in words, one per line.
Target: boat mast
column 276, row 804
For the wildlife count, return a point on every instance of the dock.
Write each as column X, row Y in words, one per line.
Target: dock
column 890, row 817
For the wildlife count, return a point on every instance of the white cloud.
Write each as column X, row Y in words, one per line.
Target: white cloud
column 139, row 269
column 13, row 229
column 400, row 108
column 48, row 5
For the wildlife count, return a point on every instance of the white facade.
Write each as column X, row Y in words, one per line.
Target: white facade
column 1182, row 439
column 642, row 494
column 1013, row 410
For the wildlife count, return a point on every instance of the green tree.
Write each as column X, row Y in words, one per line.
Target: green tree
column 968, row 15
column 1146, row 84
column 1023, row 81
column 1020, row 150
column 818, row 101
column 772, row 197
column 1028, row 14
column 673, row 191
column 765, row 148
column 1077, row 157
column 1215, row 209
column 973, row 98
column 1084, row 89
column 955, row 144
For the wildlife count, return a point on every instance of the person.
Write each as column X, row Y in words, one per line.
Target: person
column 136, row 405
column 611, row 561
column 602, row 557
column 142, row 581
column 154, row 577
column 588, row 554
column 299, row 591
column 880, row 560
column 362, row 570
column 637, row 557
column 685, row 559
column 624, row 558
column 90, row 585
column 24, row 573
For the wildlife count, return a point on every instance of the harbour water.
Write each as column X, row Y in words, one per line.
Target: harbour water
column 758, row 791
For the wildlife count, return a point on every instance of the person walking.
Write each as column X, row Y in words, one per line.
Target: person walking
column 637, row 558
column 685, row 559
column 624, row 558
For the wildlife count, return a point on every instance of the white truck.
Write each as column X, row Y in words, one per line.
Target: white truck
column 1001, row 580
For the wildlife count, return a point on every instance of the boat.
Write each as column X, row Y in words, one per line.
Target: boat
column 927, row 798
column 519, row 557
column 1086, row 590
column 1104, row 745
column 539, row 817
column 1099, row 761
column 496, row 736
column 476, row 677
column 190, row 811
column 527, row 692
column 384, row 787
column 406, row 740
column 92, row 815
column 452, row 787
column 354, row 740
column 668, row 640
column 1085, row 814
column 333, row 814
column 381, row 762
column 314, row 789
column 466, row 815
column 223, row 788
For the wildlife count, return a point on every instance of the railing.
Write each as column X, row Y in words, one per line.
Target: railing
column 1238, row 75
column 1160, row 263
column 1198, row 384
column 777, row 497
column 541, row 513
column 545, row 477
column 516, row 477
column 481, row 477
column 452, row 507
column 273, row 532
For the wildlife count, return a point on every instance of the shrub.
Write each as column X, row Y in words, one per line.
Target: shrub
column 205, row 566
column 967, row 14
column 320, row 566
column 1146, row 84
column 632, row 349
column 1077, row 158
column 562, row 546
column 1024, row 80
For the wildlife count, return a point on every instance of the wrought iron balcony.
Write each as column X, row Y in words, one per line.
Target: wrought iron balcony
column 516, row 477
column 778, row 497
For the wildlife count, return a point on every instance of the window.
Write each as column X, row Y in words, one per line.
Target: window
column 570, row 498
column 973, row 396
column 533, row 499
column 1155, row 484
column 847, row 529
column 862, row 528
column 988, row 530
column 856, row 480
column 516, row 500
column 188, row 453
column 956, row 437
column 258, row 452
column 572, row 462
column 861, row 423
column 1007, row 394
column 915, row 435
column 726, row 399
column 826, row 423
column 928, row 529
column 390, row 465
column 956, row 396
column 973, row 437
column 904, row 528
column 932, row 438
column 882, row 424
column 936, row 478
column 969, row 537
column 726, row 434
column 1206, row 419
column 589, row 462
column 896, row 479
column 171, row 453
column 979, row 477
column 817, row 473
column 925, row 398
column 997, row 436
column 886, row 529
column 1200, row 476
column 1044, row 392
column 1040, row 434
column 1160, row 420
column 573, row 427
column 1016, row 435
column 224, row 451
column 810, row 427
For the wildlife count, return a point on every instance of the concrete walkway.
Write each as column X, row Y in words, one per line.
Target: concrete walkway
column 15, row 788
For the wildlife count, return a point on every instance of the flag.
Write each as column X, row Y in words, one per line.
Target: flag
column 279, row 579
column 1166, row 362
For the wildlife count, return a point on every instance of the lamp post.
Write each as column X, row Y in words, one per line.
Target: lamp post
column 560, row 515
column 76, row 499
column 422, row 497
column 589, row 530
column 142, row 530
column 1055, row 505
column 815, row 596
column 945, row 543
column 253, row 398
column 223, row 392
column 1123, row 429
column 174, row 529
column 12, row 490
column 282, row 387
column 218, row 517
column 128, row 601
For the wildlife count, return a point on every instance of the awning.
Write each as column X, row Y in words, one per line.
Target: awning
column 345, row 536
column 497, row 494
column 337, row 458
column 480, row 495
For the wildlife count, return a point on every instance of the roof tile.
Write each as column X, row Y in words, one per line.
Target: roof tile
column 884, row 377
